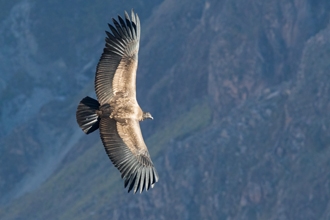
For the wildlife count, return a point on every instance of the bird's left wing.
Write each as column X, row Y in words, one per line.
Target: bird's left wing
column 126, row 149
column 116, row 70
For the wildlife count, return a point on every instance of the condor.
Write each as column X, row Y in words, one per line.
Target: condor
column 116, row 112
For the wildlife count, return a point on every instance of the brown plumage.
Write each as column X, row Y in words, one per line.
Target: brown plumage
column 117, row 113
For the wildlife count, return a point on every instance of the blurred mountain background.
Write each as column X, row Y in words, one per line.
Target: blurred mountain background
column 240, row 93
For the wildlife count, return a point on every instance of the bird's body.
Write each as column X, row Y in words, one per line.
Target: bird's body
column 117, row 113
column 125, row 108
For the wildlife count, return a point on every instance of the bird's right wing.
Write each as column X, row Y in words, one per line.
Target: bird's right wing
column 116, row 70
column 126, row 149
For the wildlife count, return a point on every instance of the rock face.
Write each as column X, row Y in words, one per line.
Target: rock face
column 240, row 91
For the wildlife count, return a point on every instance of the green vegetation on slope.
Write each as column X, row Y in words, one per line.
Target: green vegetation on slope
column 197, row 118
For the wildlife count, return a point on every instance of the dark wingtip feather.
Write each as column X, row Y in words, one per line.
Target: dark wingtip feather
column 132, row 181
column 137, row 181
column 142, row 179
column 126, row 16
column 133, row 16
column 126, row 182
column 151, row 176
column 156, row 175
column 147, row 185
column 129, row 26
column 119, row 30
column 138, row 31
column 123, row 25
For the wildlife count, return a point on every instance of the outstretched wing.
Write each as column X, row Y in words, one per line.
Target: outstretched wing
column 126, row 149
column 116, row 70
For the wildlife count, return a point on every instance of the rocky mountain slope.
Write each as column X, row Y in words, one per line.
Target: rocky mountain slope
column 240, row 95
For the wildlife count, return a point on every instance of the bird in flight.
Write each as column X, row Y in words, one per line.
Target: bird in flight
column 116, row 112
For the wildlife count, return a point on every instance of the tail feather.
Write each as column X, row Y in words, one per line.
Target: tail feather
column 86, row 115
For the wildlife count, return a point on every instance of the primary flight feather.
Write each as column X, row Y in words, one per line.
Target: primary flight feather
column 116, row 112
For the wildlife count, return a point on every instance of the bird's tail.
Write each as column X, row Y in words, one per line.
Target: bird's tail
column 86, row 114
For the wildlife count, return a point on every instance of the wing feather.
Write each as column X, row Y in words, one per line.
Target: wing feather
column 129, row 25
column 143, row 180
column 115, row 32
column 119, row 59
column 120, row 30
column 138, row 27
column 133, row 19
column 123, row 26
column 126, row 149
column 151, row 177
column 137, row 180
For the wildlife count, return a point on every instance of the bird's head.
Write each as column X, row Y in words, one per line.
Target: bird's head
column 147, row 115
